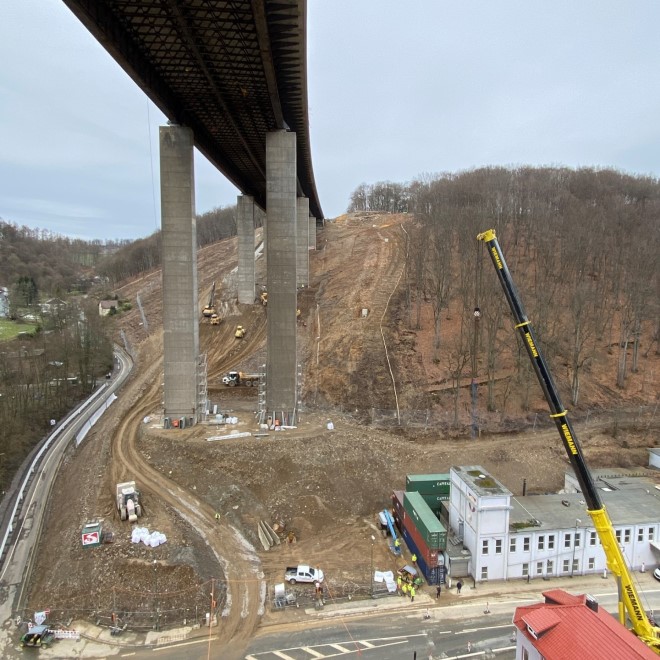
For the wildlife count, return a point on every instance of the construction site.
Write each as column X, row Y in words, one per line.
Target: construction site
column 376, row 408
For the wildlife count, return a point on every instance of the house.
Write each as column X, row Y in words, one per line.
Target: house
column 4, row 302
column 105, row 306
column 52, row 305
column 569, row 627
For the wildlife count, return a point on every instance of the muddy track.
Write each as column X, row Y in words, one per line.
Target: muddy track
column 245, row 587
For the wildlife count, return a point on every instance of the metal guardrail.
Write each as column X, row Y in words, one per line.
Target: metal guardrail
column 25, row 484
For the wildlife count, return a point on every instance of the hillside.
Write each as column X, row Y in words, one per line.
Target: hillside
column 363, row 372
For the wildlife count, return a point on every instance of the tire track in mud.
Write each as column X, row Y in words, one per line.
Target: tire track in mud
column 245, row 584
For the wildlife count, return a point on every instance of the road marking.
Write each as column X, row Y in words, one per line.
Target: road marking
column 366, row 644
column 126, row 655
column 176, row 646
column 316, row 654
column 471, row 630
column 339, row 647
column 284, row 656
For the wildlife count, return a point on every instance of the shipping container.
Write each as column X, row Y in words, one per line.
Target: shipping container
column 431, row 529
column 432, row 575
column 435, row 502
column 431, row 556
column 397, row 506
column 428, row 484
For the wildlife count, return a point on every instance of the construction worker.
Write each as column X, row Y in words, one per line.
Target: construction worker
column 412, row 593
column 397, row 543
column 217, row 516
column 399, row 582
column 414, row 559
column 404, row 589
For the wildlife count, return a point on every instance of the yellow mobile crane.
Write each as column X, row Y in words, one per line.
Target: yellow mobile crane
column 629, row 602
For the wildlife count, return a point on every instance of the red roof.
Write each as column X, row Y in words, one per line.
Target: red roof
column 565, row 628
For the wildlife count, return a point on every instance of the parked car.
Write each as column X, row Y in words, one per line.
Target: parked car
column 656, row 573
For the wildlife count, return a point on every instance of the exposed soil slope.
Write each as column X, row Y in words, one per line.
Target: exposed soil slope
column 325, row 485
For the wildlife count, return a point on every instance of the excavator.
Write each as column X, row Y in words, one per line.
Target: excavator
column 209, row 310
column 629, row 601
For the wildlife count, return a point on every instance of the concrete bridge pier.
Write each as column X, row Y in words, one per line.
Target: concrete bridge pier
column 302, row 242
column 179, row 259
column 281, row 248
column 245, row 227
column 312, row 233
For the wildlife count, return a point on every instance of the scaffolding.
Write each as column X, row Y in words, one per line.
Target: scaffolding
column 202, row 389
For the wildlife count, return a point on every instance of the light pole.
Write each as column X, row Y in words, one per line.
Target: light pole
column 577, row 522
column 371, row 574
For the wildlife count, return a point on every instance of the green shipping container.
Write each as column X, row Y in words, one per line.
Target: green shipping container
column 428, row 484
column 431, row 529
column 435, row 501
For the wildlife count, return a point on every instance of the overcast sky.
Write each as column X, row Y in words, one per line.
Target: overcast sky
column 396, row 89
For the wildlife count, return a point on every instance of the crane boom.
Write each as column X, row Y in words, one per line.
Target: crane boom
column 629, row 602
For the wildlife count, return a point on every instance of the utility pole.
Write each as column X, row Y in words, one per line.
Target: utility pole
column 473, row 387
column 371, row 574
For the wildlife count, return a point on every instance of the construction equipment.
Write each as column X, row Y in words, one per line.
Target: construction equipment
column 209, row 310
column 629, row 601
column 234, row 378
column 37, row 636
column 240, row 332
column 128, row 501
column 215, row 319
column 386, row 516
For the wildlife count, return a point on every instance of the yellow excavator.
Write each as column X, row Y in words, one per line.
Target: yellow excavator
column 629, row 601
column 209, row 310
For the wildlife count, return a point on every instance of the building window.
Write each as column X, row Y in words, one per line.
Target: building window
column 566, row 566
column 576, row 564
column 640, row 534
column 539, row 568
column 484, row 547
column 592, row 538
column 577, row 539
column 592, row 563
column 567, row 540
column 512, row 544
column 484, row 572
column 617, row 533
column 525, row 543
column 498, row 546
column 651, row 534
column 525, row 654
column 551, row 542
column 525, row 570
column 541, row 542
column 549, row 567
column 626, row 536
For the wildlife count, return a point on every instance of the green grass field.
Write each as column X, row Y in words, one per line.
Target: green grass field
column 10, row 329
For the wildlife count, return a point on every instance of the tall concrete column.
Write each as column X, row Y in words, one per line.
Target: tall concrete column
column 281, row 362
column 260, row 219
column 302, row 240
column 312, row 233
column 179, row 256
column 245, row 222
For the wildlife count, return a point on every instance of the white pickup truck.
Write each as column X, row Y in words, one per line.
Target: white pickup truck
column 303, row 573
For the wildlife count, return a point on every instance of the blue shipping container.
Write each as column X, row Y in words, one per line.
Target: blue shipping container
column 434, row 575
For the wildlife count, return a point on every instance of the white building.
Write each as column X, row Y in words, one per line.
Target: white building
column 548, row 535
